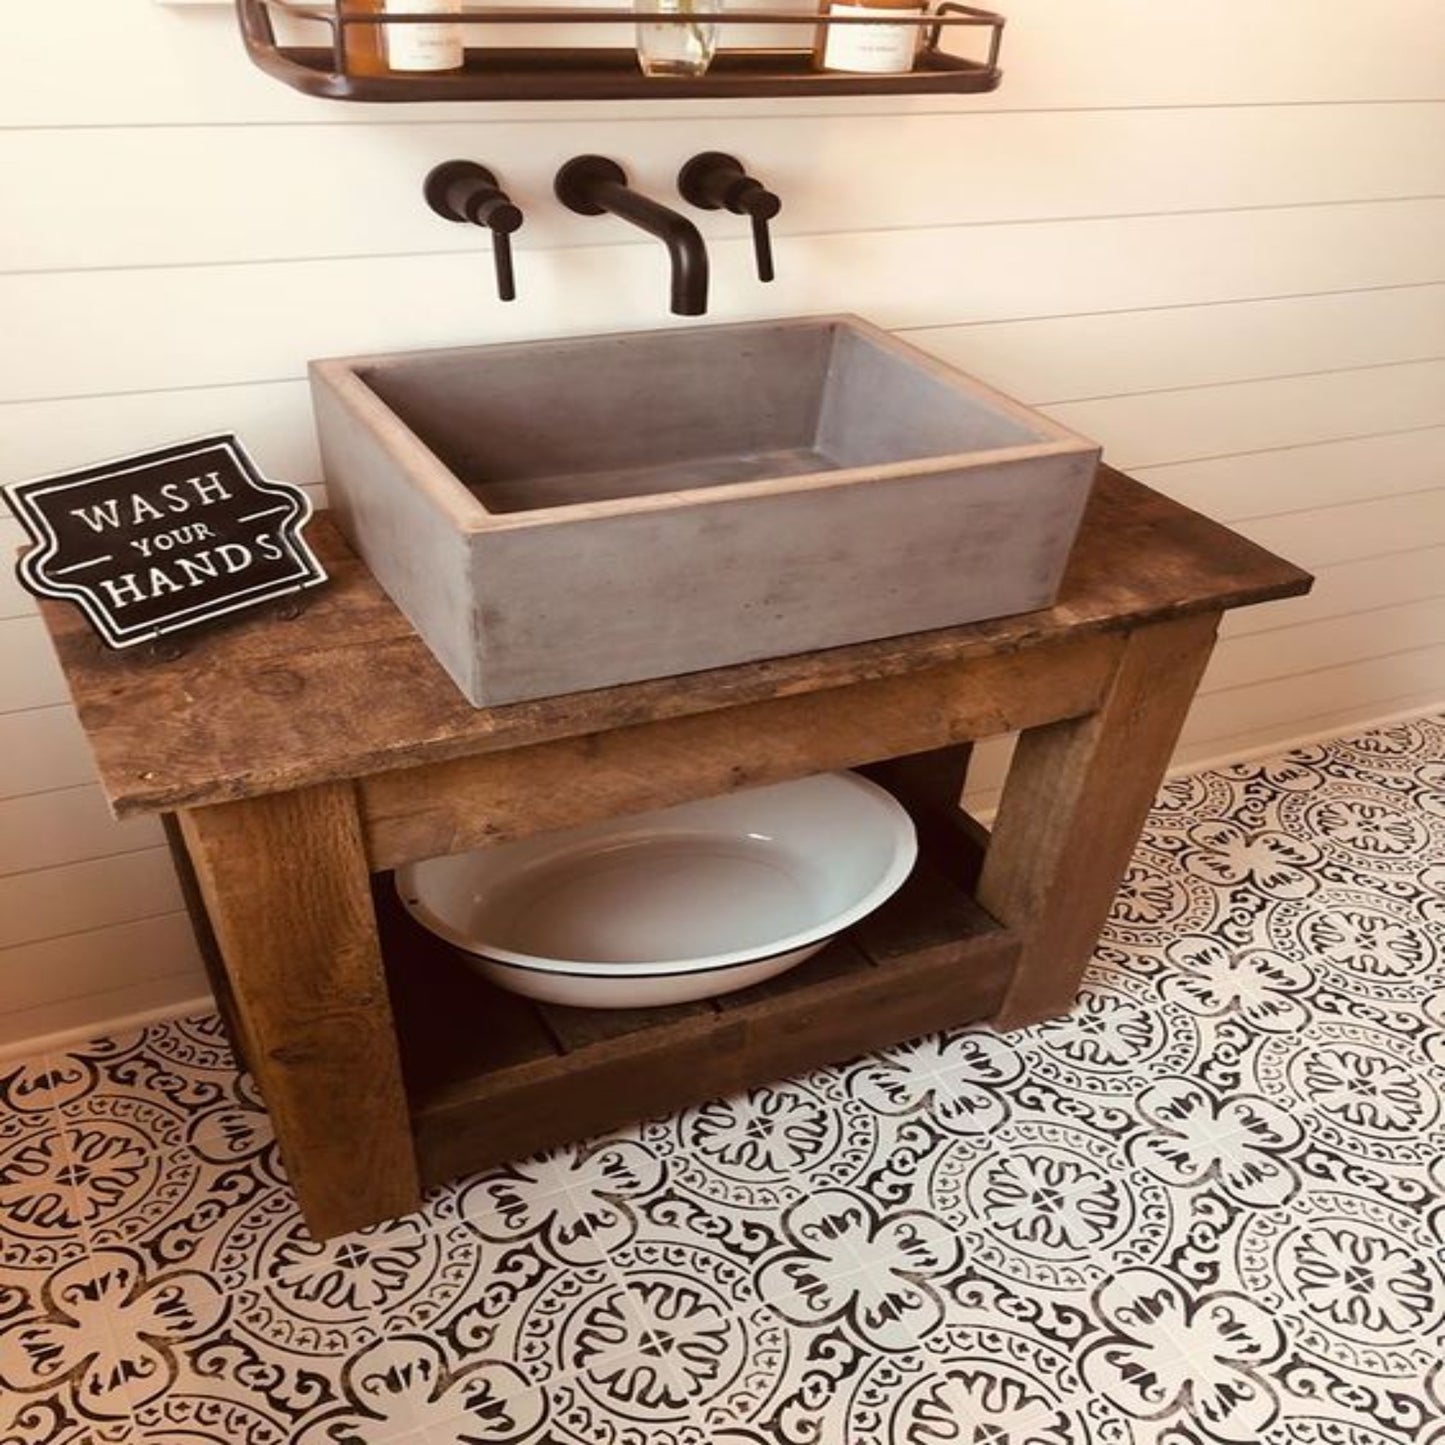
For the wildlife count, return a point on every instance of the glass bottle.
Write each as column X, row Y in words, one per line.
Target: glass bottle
column 432, row 45
column 676, row 47
column 407, row 49
column 363, row 45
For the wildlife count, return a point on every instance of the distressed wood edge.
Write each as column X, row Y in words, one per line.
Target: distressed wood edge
column 288, row 896
column 716, row 1055
column 443, row 808
column 1255, row 576
column 1073, row 806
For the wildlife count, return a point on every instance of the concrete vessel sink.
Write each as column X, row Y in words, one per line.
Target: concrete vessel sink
column 560, row 515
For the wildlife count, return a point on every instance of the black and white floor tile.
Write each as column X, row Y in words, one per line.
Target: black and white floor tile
column 1207, row 1207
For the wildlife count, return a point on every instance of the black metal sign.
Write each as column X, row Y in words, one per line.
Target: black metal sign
column 165, row 539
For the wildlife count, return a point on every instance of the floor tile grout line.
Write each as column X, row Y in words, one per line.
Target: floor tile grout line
column 609, row 1263
column 45, row 1064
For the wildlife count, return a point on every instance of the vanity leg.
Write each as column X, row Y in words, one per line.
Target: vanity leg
column 1072, row 809
column 205, row 937
column 285, row 882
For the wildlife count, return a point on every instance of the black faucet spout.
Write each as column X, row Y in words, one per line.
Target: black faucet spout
column 683, row 240
column 591, row 185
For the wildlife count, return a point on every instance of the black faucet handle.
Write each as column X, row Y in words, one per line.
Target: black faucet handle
column 715, row 181
column 467, row 192
column 502, row 265
column 763, row 249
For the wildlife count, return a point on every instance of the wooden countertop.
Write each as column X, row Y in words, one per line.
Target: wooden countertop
column 338, row 685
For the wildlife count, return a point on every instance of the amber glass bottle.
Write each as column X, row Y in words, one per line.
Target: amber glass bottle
column 881, row 49
column 365, row 45
column 377, row 49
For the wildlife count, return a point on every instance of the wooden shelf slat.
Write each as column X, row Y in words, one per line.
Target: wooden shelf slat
column 930, row 914
column 841, row 959
column 578, row 1028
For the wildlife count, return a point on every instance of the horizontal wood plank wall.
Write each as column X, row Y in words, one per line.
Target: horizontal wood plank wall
column 1210, row 236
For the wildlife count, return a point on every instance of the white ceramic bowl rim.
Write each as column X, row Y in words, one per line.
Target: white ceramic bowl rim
column 904, row 842
column 670, row 968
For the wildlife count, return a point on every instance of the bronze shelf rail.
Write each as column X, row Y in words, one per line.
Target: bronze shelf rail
column 612, row 72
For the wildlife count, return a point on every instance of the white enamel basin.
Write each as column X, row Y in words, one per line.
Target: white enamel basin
column 680, row 904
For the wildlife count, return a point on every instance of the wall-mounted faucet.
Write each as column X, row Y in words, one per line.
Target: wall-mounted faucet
column 465, row 191
column 718, row 182
column 591, row 185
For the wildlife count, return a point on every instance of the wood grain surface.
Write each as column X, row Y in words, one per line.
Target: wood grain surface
column 285, row 886
column 340, row 686
column 1072, row 807
column 427, row 811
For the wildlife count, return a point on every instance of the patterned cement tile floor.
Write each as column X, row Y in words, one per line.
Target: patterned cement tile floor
column 1209, row 1206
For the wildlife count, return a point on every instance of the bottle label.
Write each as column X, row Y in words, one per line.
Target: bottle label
column 872, row 49
column 422, row 46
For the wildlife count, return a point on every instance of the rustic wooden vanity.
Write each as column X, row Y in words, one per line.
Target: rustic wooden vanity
column 302, row 753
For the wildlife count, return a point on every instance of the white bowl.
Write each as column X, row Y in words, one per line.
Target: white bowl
column 680, row 904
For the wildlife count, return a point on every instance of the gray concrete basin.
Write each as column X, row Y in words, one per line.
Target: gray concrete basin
column 554, row 516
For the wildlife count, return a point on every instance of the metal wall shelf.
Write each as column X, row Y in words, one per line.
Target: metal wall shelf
column 608, row 73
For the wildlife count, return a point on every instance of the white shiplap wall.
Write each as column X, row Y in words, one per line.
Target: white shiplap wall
column 1212, row 236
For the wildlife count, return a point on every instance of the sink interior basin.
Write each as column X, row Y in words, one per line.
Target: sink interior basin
column 553, row 424
column 554, row 516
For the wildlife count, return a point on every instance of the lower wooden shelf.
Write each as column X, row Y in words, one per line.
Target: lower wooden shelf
column 493, row 1077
